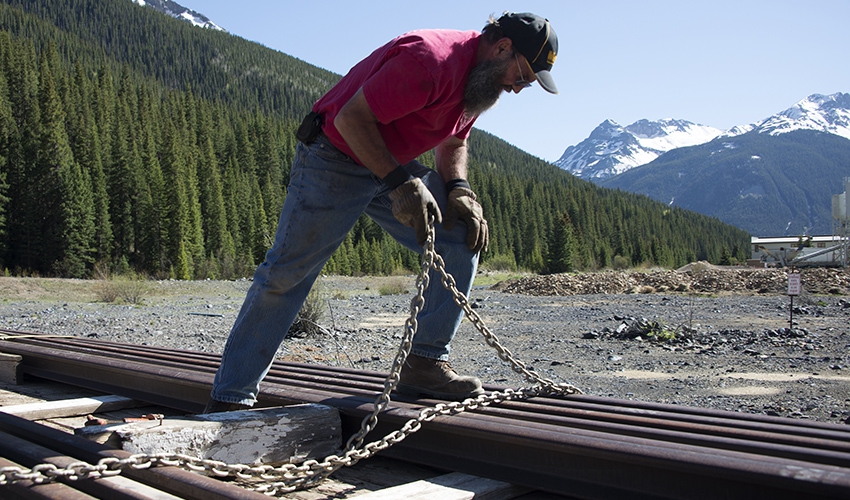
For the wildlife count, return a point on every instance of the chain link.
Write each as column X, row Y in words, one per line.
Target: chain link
column 291, row 477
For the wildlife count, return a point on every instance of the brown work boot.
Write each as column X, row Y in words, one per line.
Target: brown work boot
column 215, row 406
column 422, row 376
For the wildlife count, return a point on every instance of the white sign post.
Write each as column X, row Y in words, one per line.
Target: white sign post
column 795, row 286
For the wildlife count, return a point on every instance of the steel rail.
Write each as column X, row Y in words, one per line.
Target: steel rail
column 28, row 490
column 116, row 488
column 592, row 412
column 607, row 408
column 583, row 446
column 773, row 431
column 175, row 481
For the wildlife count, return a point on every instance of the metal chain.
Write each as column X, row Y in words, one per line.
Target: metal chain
column 291, row 477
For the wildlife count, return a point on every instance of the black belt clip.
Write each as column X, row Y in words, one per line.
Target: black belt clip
column 310, row 127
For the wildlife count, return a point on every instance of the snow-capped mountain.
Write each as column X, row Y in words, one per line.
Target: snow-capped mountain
column 824, row 113
column 611, row 149
column 176, row 10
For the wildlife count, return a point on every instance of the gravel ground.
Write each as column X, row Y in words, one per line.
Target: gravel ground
column 730, row 349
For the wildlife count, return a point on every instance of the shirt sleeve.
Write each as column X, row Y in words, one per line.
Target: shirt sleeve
column 466, row 130
column 402, row 86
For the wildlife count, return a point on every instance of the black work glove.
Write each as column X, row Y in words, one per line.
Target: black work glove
column 463, row 204
column 413, row 204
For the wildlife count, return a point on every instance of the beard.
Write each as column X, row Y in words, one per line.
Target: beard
column 484, row 85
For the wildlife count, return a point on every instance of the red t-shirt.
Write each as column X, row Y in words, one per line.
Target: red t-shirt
column 414, row 85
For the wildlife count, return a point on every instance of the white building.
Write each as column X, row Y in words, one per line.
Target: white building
column 796, row 250
column 810, row 250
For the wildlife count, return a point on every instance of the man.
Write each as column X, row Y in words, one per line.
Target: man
column 421, row 91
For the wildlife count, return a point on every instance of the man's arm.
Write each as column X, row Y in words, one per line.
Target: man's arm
column 358, row 125
column 462, row 202
column 451, row 156
column 412, row 204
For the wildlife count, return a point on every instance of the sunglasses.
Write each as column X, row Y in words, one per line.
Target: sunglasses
column 522, row 82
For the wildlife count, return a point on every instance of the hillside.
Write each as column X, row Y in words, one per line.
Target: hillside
column 132, row 141
column 765, row 184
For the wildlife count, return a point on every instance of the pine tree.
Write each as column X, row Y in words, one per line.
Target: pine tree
column 153, row 201
column 85, row 144
column 120, row 186
column 78, row 226
column 561, row 248
column 261, row 237
column 68, row 221
column 725, row 257
column 187, row 122
column 24, row 214
column 219, row 242
column 6, row 133
column 533, row 258
column 176, row 218
column 236, row 195
column 269, row 172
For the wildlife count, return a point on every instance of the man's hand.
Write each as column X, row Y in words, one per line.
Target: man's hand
column 463, row 204
column 413, row 204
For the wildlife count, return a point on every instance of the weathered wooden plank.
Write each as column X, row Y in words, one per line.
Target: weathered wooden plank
column 272, row 436
column 453, row 486
column 70, row 407
column 10, row 372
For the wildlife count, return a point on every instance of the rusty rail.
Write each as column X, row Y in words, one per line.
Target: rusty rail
column 582, row 446
column 29, row 443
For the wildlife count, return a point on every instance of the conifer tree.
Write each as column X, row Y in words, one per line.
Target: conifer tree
column 85, row 144
column 23, row 215
column 562, row 247
column 219, row 242
column 238, row 220
column 104, row 102
column 176, row 217
column 269, row 172
column 78, row 226
column 68, row 222
column 6, row 132
column 120, row 174
column 261, row 237
column 195, row 236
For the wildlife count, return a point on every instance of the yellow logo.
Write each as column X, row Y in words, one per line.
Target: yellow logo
column 551, row 58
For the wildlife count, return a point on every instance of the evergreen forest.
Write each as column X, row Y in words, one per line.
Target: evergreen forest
column 137, row 142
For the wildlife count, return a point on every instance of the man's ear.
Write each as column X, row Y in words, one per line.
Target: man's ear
column 504, row 44
column 500, row 47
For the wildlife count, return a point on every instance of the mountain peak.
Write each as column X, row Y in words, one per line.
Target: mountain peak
column 606, row 130
column 176, row 10
column 612, row 149
column 824, row 113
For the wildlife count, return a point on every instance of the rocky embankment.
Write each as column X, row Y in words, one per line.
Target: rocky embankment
column 699, row 277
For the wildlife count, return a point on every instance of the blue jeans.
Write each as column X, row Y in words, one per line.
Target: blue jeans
column 326, row 195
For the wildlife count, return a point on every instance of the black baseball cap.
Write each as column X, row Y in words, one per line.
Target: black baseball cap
column 534, row 38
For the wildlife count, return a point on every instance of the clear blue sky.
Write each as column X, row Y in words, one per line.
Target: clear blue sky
column 719, row 63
